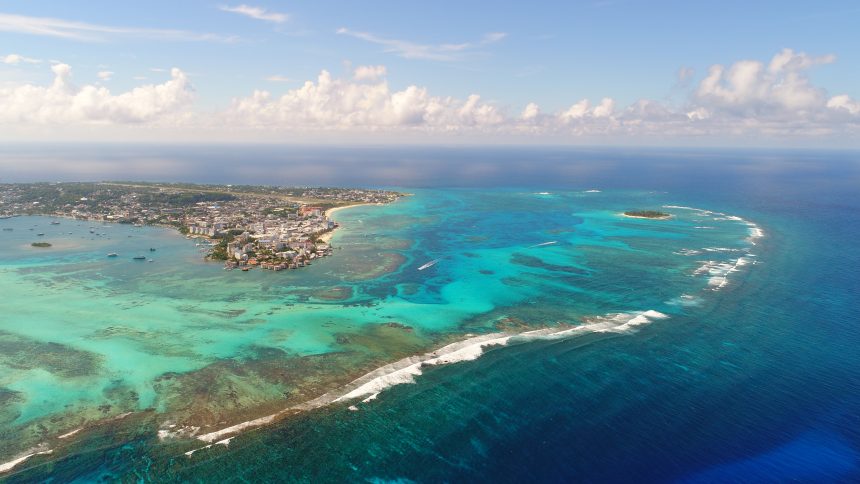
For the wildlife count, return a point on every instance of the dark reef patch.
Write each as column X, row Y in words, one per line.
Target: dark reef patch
column 532, row 261
column 25, row 354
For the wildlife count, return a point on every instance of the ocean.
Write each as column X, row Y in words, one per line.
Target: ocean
column 719, row 345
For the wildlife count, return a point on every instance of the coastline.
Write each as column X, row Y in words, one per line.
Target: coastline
column 370, row 383
column 326, row 237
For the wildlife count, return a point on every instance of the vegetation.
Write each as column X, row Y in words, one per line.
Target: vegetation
column 40, row 244
column 646, row 214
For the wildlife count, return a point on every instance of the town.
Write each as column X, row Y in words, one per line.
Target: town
column 244, row 226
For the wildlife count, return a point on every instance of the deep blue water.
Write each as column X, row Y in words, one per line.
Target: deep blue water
column 759, row 384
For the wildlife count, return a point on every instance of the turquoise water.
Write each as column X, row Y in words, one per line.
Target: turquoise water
column 181, row 346
column 758, row 381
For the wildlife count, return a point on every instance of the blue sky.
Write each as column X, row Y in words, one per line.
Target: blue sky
column 511, row 54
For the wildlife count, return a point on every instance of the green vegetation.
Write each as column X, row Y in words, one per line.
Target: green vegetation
column 219, row 251
column 647, row 214
column 40, row 244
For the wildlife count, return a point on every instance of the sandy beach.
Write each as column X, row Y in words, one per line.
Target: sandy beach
column 326, row 237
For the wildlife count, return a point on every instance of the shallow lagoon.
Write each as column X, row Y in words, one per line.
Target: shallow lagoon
column 90, row 338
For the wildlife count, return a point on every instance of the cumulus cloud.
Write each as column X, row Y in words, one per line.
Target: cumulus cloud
column 749, row 98
column 369, row 73
column 104, row 75
column 751, row 88
column 331, row 103
column 257, row 13
column 530, row 113
column 844, row 103
column 412, row 50
column 62, row 103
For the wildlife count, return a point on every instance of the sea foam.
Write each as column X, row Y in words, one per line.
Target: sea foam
column 404, row 371
column 8, row 466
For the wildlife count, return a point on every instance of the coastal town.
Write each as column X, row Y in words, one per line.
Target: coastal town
column 272, row 228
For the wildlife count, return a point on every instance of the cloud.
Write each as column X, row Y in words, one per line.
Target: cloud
column 749, row 99
column 751, row 88
column 685, row 74
column 439, row 52
column 104, row 75
column 844, row 103
column 277, row 78
column 256, row 13
column 334, row 104
column 369, row 73
column 64, row 104
column 530, row 113
column 15, row 59
column 67, row 29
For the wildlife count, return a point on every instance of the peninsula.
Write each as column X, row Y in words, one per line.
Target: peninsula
column 245, row 226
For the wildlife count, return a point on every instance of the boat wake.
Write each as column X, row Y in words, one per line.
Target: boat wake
column 552, row 242
column 429, row 264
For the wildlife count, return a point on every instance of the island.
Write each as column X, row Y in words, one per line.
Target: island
column 651, row 214
column 40, row 244
column 243, row 226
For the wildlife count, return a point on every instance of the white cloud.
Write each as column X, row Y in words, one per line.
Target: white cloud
column 844, row 103
column 748, row 99
column 751, row 88
column 104, row 75
column 342, row 104
column 530, row 113
column 64, row 104
column 257, row 13
column 411, row 50
column 277, row 78
column 369, row 73
column 604, row 109
column 15, row 59
column 73, row 30
column 577, row 111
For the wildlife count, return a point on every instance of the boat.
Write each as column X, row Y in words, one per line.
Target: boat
column 8, row 229
column 152, row 249
column 54, row 222
column 139, row 257
column 150, row 260
column 553, row 242
column 40, row 234
column 429, row 264
column 112, row 254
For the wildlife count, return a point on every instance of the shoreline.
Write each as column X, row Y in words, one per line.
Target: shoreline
column 327, row 236
column 369, row 384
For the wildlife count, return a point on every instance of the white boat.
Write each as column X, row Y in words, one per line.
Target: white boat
column 429, row 264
